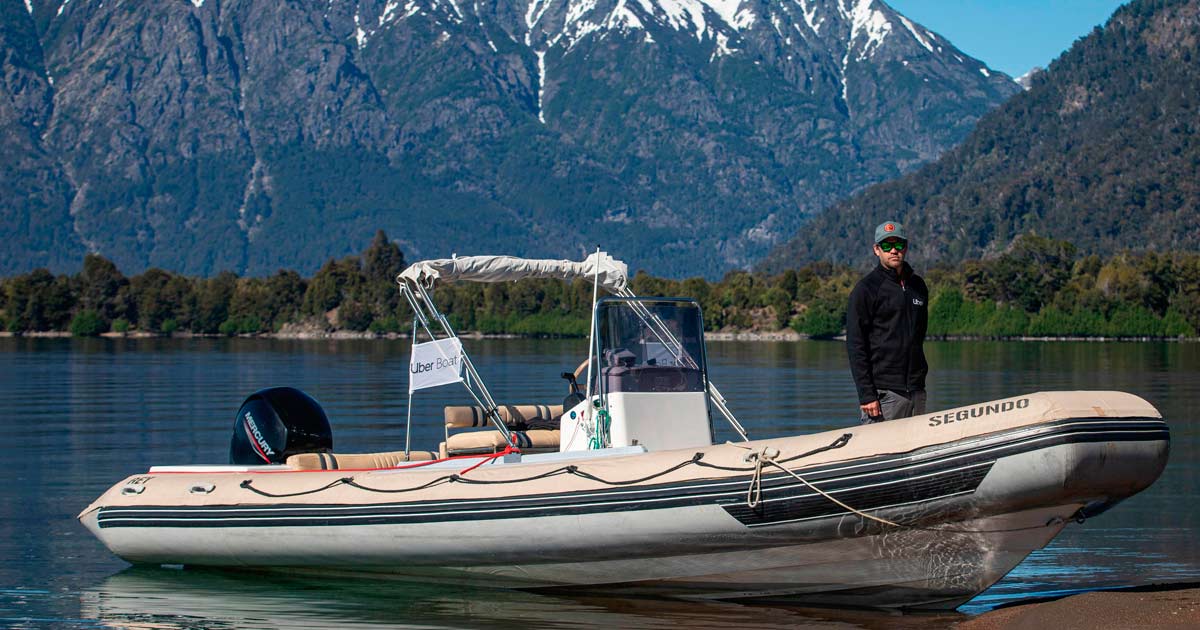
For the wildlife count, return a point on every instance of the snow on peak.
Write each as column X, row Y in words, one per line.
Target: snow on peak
column 360, row 35
column 810, row 17
column 622, row 16
column 721, row 24
column 912, row 28
column 728, row 10
column 389, row 11
column 865, row 20
column 535, row 10
column 705, row 19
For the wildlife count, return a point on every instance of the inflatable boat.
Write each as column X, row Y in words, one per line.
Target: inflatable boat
column 621, row 489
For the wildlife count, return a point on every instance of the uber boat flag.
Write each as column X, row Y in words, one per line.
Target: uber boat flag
column 435, row 363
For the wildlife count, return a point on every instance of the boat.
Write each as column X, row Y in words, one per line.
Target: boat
column 621, row 489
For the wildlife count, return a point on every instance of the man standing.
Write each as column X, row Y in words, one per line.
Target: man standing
column 885, row 328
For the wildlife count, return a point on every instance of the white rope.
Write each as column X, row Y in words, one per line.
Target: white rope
column 767, row 455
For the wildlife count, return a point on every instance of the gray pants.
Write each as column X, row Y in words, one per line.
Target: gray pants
column 898, row 405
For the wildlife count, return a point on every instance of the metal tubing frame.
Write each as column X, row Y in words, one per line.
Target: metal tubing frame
column 408, row 417
column 664, row 334
column 591, row 424
column 482, row 397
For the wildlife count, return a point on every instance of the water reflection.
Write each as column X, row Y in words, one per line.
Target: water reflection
column 164, row 599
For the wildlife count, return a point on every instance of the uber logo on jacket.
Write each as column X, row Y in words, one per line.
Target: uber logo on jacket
column 918, row 302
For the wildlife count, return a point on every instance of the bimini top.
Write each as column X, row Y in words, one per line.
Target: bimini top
column 613, row 274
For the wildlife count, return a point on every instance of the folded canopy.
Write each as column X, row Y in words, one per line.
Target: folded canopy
column 613, row 274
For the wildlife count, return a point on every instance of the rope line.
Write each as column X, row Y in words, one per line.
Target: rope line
column 696, row 460
column 768, row 455
column 765, row 456
column 586, row 475
column 336, row 482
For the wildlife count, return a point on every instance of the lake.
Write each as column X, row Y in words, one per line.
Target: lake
column 81, row 414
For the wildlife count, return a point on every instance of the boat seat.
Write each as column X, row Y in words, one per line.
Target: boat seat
column 521, row 417
column 482, row 442
column 330, row 461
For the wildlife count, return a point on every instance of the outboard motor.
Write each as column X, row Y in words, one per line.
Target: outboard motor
column 278, row 422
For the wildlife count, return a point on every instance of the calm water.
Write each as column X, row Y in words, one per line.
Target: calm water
column 82, row 414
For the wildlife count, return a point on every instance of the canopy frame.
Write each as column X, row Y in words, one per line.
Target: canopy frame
column 424, row 310
column 417, row 280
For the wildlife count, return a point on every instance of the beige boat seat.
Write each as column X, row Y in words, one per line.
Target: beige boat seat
column 330, row 461
column 516, row 416
column 483, row 442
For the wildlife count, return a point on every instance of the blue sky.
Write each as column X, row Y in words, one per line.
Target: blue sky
column 1009, row 35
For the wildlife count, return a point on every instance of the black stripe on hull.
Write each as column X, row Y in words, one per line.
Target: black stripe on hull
column 906, row 491
column 925, row 475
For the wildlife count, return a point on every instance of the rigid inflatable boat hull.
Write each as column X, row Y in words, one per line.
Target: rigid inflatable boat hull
column 996, row 488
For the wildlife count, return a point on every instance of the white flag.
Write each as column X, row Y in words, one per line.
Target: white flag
column 435, row 363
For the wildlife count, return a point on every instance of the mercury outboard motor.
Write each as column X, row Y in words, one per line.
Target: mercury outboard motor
column 278, row 422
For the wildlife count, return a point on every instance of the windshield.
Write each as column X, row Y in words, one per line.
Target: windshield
column 651, row 345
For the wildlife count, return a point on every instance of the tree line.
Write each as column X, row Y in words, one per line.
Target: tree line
column 1038, row 287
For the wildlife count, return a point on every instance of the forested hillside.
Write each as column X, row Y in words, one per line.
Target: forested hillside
column 1039, row 288
column 1102, row 151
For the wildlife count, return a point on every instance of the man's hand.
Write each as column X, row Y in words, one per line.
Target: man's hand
column 872, row 409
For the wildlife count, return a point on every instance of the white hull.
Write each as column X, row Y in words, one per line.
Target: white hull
column 975, row 497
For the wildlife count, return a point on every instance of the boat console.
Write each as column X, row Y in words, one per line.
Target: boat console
column 650, row 388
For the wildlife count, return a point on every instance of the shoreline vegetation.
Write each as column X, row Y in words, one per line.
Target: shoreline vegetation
column 783, row 336
column 1038, row 289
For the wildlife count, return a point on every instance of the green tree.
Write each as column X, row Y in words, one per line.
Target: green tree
column 945, row 312
column 87, row 323
column 102, row 288
column 213, row 296
column 284, row 296
column 821, row 319
column 39, row 301
column 159, row 296
column 381, row 263
column 781, row 305
column 335, row 280
column 1027, row 275
column 354, row 315
column 1186, row 299
column 250, row 307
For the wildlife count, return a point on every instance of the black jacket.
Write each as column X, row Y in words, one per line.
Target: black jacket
column 885, row 328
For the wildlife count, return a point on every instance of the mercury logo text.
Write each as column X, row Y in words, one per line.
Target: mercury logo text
column 258, row 436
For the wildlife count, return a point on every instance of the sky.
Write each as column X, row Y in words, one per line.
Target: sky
column 1011, row 36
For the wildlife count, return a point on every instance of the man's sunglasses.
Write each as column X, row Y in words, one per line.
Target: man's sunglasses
column 888, row 246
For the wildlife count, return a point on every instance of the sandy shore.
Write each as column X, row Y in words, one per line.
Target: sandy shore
column 1158, row 606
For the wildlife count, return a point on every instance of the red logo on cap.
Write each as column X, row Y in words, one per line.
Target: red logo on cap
column 889, row 228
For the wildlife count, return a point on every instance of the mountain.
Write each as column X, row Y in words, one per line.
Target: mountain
column 1102, row 151
column 1026, row 80
column 687, row 136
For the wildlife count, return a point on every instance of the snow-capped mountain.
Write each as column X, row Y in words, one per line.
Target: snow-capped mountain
column 1026, row 80
column 685, row 135
column 1102, row 151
